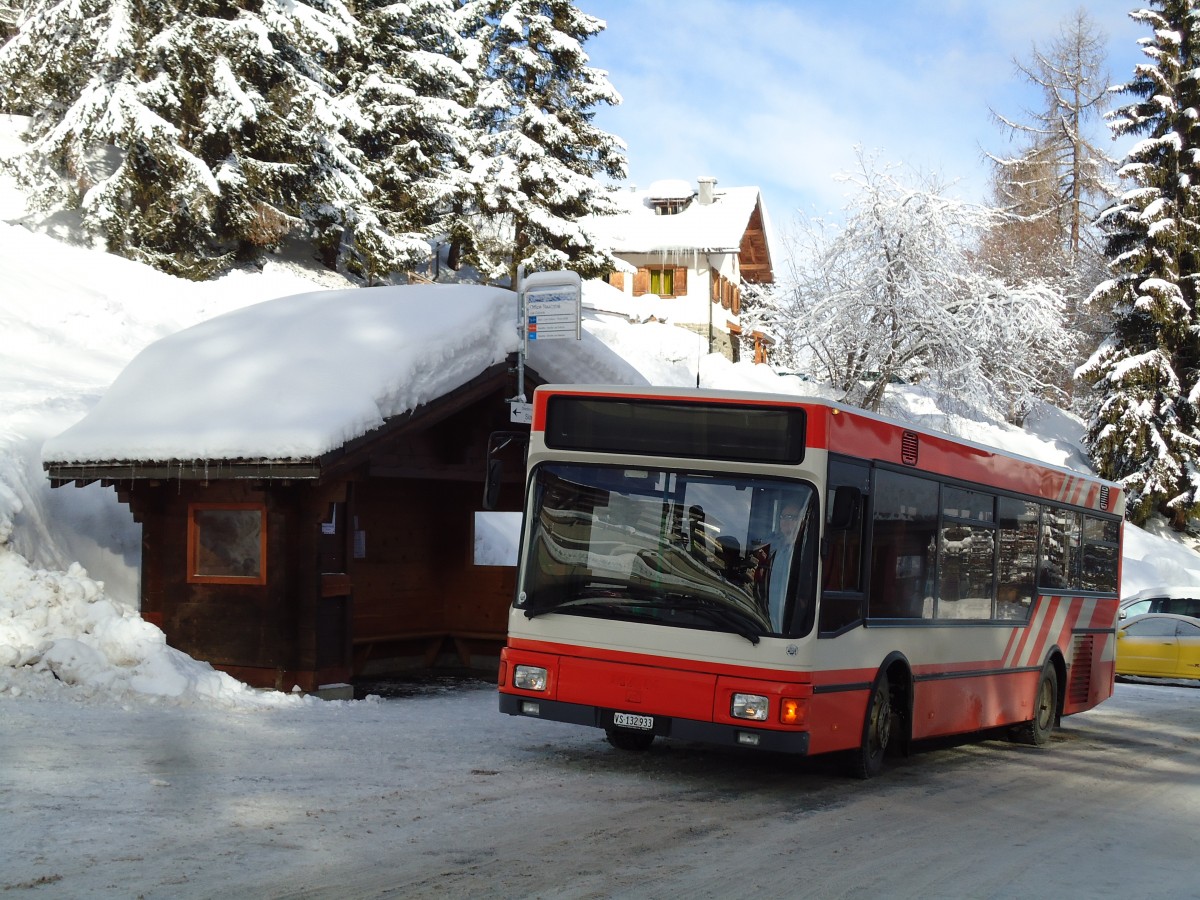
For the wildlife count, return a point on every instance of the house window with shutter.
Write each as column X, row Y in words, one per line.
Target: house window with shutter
column 725, row 292
column 227, row 543
column 665, row 281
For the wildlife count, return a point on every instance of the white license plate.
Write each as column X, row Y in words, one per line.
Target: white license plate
column 629, row 720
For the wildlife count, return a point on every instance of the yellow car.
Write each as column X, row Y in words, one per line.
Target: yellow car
column 1159, row 645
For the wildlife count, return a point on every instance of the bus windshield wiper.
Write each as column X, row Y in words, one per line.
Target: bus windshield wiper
column 625, row 598
column 739, row 622
column 600, row 593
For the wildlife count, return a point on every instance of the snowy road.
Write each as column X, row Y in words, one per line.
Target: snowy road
column 441, row 796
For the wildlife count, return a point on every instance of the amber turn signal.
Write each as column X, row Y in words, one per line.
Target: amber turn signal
column 791, row 712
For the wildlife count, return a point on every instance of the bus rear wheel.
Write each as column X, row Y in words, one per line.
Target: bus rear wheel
column 867, row 760
column 629, row 740
column 1037, row 731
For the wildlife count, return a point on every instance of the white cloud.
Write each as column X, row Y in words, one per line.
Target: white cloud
column 778, row 94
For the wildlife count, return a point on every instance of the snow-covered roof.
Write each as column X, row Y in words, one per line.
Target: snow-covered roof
column 671, row 189
column 295, row 377
column 702, row 227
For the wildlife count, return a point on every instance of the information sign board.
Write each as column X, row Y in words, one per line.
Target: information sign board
column 552, row 304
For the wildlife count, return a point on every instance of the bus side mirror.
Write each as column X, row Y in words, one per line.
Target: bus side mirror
column 844, row 511
column 497, row 442
column 491, row 485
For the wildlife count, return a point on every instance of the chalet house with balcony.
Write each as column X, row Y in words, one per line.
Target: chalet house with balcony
column 686, row 253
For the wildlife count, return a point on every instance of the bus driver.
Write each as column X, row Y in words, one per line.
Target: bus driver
column 783, row 545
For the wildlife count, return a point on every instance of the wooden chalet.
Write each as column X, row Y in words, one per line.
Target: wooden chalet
column 311, row 572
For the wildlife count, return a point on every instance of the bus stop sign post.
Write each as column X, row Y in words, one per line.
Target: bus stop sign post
column 550, row 308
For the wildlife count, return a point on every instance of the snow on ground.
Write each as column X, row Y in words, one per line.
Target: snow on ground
column 72, row 319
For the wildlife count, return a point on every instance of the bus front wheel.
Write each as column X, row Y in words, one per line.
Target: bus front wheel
column 867, row 761
column 1045, row 710
column 629, row 740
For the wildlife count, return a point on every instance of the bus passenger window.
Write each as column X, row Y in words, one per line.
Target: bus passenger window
column 968, row 554
column 1060, row 557
column 904, row 546
column 1018, row 521
column 965, row 583
column 1101, row 539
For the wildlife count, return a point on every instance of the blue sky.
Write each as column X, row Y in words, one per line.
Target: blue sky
column 778, row 93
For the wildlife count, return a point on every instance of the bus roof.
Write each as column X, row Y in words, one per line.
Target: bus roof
column 854, row 432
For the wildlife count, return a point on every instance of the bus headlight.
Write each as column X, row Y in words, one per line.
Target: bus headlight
column 529, row 678
column 755, row 707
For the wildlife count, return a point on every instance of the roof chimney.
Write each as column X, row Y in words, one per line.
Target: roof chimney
column 707, row 183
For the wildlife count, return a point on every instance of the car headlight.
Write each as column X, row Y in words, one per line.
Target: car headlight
column 755, row 707
column 529, row 678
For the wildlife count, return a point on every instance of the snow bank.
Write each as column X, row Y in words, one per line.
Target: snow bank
column 1154, row 558
column 61, row 635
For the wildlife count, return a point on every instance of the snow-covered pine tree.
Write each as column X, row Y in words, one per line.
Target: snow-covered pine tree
column 189, row 132
column 10, row 14
column 79, row 71
column 263, row 86
column 1145, row 377
column 538, row 157
column 412, row 87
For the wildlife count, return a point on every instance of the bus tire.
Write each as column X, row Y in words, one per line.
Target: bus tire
column 1037, row 731
column 629, row 740
column 867, row 760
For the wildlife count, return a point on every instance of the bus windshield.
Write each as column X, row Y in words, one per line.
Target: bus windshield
column 680, row 548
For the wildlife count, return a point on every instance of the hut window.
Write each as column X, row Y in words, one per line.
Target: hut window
column 227, row 543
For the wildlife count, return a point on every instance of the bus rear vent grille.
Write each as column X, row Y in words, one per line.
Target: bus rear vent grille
column 1080, row 687
column 908, row 448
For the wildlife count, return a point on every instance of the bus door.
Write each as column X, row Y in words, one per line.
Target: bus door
column 842, row 588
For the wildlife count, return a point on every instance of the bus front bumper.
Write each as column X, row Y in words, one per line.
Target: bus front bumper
column 719, row 734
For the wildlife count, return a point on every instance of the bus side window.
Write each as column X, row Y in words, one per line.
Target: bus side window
column 1101, row 543
column 1060, row 548
column 1018, row 521
column 904, row 546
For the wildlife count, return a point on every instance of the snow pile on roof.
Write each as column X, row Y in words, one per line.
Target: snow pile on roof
column 700, row 227
column 670, row 189
column 295, row 377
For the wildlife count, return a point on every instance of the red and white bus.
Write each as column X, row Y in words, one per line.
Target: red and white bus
column 802, row 577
